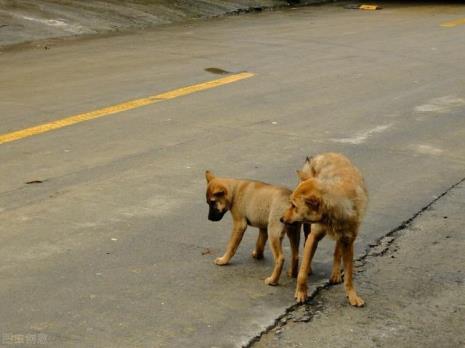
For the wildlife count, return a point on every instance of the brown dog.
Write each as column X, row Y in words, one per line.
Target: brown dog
column 332, row 197
column 255, row 204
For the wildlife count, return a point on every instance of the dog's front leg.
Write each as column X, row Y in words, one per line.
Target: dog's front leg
column 294, row 240
column 239, row 227
column 311, row 244
column 347, row 256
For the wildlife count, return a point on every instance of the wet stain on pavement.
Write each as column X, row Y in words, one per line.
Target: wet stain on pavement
column 217, row 71
column 32, row 182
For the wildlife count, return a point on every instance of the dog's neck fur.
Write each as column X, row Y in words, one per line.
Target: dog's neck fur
column 336, row 223
column 231, row 187
column 338, row 213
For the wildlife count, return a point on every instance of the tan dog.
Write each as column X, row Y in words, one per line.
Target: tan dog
column 255, row 204
column 332, row 197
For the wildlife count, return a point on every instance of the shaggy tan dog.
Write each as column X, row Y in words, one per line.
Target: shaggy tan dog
column 332, row 197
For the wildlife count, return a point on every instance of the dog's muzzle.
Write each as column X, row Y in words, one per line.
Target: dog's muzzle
column 215, row 215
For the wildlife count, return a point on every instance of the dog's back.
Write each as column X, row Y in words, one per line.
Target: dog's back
column 340, row 176
column 258, row 200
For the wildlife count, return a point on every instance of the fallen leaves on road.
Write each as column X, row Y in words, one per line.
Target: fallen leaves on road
column 206, row 252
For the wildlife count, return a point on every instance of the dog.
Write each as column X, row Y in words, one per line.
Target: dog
column 332, row 197
column 256, row 204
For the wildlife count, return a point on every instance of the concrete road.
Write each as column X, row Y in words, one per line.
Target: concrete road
column 113, row 248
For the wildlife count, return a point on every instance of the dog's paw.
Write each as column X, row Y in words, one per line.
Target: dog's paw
column 335, row 278
column 271, row 281
column 257, row 256
column 221, row 261
column 356, row 301
column 301, row 295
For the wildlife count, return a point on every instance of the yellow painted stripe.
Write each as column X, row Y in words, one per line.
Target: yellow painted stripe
column 369, row 7
column 110, row 110
column 454, row 23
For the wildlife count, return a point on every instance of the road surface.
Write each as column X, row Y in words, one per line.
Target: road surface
column 113, row 247
column 415, row 284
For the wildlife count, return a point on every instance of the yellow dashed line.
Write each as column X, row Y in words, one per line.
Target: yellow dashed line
column 454, row 23
column 110, row 110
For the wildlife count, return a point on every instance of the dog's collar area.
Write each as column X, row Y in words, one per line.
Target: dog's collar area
column 312, row 221
column 292, row 223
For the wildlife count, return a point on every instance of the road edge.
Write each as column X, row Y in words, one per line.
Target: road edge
column 45, row 43
column 376, row 248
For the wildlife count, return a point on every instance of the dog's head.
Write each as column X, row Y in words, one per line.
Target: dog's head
column 217, row 197
column 306, row 203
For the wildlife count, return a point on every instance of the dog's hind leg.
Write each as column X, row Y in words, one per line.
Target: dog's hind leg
column 238, row 230
column 294, row 239
column 306, row 231
column 276, row 234
column 260, row 246
column 336, row 277
column 347, row 255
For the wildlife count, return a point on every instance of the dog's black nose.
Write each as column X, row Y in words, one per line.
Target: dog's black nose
column 282, row 220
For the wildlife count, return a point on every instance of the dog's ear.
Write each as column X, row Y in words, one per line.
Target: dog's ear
column 313, row 202
column 302, row 175
column 209, row 175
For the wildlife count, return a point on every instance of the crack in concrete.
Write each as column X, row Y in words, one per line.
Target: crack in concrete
column 375, row 249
